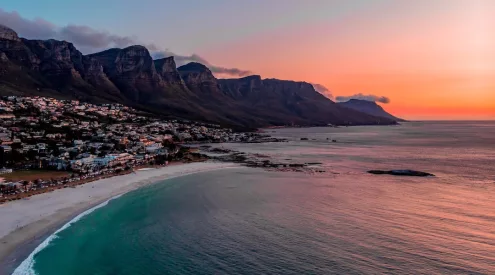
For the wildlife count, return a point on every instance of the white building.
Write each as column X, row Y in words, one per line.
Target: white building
column 5, row 171
column 153, row 148
column 103, row 161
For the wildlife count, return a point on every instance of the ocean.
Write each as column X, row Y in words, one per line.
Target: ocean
column 345, row 221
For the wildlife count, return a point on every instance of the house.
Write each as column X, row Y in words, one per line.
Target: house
column 42, row 147
column 104, row 161
column 121, row 159
column 153, row 147
column 5, row 171
column 6, row 148
column 82, row 164
column 58, row 163
column 7, row 116
column 77, row 143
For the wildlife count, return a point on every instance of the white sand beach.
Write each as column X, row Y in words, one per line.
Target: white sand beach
column 26, row 220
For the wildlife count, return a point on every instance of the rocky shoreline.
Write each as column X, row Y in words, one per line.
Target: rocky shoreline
column 260, row 161
column 256, row 160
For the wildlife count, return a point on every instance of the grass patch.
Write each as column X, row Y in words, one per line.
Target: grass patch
column 31, row 175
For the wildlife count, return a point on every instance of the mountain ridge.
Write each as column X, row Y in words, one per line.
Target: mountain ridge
column 369, row 107
column 132, row 77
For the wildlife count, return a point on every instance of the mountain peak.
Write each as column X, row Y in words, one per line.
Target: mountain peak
column 8, row 33
column 166, row 64
column 167, row 59
column 137, row 50
column 368, row 107
column 252, row 77
column 193, row 67
column 361, row 101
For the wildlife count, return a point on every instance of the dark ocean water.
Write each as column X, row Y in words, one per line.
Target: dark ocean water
column 251, row 221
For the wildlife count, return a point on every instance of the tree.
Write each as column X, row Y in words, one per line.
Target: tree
column 105, row 147
column 55, row 151
column 73, row 154
column 171, row 146
column 37, row 183
column 25, row 184
column 18, row 156
column 32, row 154
column 92, row 150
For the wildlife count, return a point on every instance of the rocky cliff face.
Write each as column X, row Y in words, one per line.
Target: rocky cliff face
column 14, row 48
column 59, row 61
column 132, row 70
column 196, row 74
column 167, row 69
column 242, row 87
column 175, row 85
column 141, row 81
column 200, row 80
column 94, row 75
column 292, row 102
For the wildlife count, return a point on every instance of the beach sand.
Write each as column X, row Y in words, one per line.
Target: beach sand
column 24, row 224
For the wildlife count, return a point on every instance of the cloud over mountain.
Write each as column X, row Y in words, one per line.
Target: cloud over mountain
column 374, row 98
column 89, row 40
column 84, row 37
column 323, row 90
column 184, row 59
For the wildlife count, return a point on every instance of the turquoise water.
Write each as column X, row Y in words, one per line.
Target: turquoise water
column 251, row 221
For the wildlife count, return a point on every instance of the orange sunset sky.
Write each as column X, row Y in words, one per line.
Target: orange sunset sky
column 434, row 59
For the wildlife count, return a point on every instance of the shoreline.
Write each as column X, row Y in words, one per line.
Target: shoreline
column 27, row 223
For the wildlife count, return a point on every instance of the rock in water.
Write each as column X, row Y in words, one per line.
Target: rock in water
column 412, row 173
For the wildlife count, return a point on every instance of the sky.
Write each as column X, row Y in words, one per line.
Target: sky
column 419, row 59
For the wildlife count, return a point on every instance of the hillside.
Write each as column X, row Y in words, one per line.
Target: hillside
column 368, row 107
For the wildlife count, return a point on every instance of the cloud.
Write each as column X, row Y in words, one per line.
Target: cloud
column 88, row 37
column 184, row 59
column 85, row 38
column 230, row 71
column 36, row 28
column 323, row 90
column 374, row 98
column 89, row 40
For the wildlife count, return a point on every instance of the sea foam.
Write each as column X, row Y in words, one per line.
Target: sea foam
column 27, row 266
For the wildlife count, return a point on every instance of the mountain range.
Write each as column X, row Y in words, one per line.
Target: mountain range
column 132, row 77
